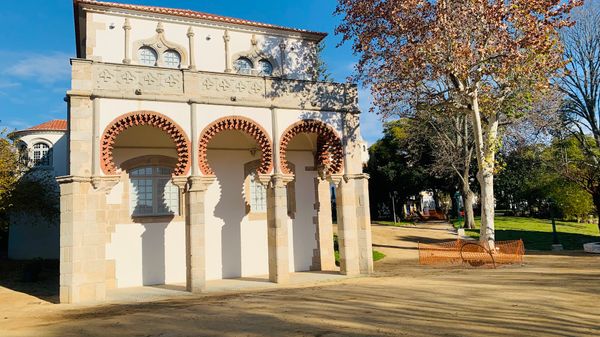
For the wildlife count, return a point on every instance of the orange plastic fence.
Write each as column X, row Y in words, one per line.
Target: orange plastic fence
column 473, row 253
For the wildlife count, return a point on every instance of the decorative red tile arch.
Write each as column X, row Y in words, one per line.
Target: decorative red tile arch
column 330, row 152
column 150, row 118
column 240, row 124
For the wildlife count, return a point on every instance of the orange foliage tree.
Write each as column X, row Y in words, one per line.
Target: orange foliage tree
column 485, row 58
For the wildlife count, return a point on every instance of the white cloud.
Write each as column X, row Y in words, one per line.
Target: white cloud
column 4, row 84
column 43, row 68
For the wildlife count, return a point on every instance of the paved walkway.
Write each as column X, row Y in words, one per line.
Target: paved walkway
column 219, row 287
column 553, row 294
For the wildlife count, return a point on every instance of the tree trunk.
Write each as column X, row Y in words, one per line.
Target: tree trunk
column 468, row 198
column 596, row 198
column 485, row 149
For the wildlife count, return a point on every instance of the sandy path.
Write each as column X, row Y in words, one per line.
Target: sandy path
column 552, row 295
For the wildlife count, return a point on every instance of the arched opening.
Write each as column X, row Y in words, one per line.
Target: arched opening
column 146, row 150
column 143, row 132
column 236, row 152
column 311, row 149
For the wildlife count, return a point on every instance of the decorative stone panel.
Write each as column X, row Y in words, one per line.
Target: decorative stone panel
column 155, row 119
column 132, row 78
column 330, row 154
column 240, row 124
column 128, row 81
column 232, row 87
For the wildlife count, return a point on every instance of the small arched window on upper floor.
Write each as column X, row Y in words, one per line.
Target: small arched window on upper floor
column 265, row 68
column 243, row 66
column 42, row 154
column 172, row 59
column 147, row 56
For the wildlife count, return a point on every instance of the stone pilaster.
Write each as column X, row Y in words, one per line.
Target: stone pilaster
column 127, row 29
column 81, row 126
column 82, row 241
column 347, row 225
column 226, row 38
column 277, row 223
column 191, row 42
column 324, row 258
column 196, row 232
column 282, row 57
column 363, row 216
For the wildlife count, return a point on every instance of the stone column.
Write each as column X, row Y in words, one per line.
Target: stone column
column 363, row 216
column 127, row 29
column 190, row 35
column 324, row 258
column 277, row 223
column 282, row 57
column 226, row 38
column 196, row 232
column 82, row 240
column 347, row 225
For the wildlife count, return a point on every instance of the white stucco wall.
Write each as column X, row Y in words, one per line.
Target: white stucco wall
column 108, row 45
column 302, row 228
column 57, row 140
column 236, row 246
column 148, row 254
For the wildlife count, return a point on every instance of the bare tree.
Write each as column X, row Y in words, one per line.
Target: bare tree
column 451, row 140
column 581, row 86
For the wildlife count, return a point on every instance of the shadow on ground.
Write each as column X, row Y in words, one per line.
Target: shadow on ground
column 39, row 278
column 543, row 240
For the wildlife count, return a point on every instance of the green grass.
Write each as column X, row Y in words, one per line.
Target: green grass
column 397, row 224
column 456, row 223
column 537, row 233
column 377, row 255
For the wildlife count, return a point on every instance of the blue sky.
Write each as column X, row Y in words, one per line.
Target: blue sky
column 38, row 40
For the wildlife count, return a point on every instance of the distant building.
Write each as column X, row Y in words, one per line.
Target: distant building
column 44, row 148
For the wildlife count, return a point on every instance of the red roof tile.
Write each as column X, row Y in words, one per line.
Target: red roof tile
column 53, row 125
column 193, row 14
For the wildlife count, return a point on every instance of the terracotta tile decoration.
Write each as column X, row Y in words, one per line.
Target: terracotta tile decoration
column 330, row 153
column 241, row 124
column 155, row 119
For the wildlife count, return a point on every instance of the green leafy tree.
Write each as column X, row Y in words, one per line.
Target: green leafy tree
column 399, row 164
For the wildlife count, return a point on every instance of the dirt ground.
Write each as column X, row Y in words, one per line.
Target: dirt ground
column 551, row 295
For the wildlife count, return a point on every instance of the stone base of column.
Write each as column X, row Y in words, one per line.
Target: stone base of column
column 347, row 226
column 196, row 231
column 82, row 241
column 277, row 222
column 324, row 256
column 363, row 216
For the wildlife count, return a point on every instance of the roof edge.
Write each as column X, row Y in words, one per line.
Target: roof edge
column 192, row 14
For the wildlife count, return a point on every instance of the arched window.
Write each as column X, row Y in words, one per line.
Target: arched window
column 243, row 65
column 265, row 68
column 258, row 195
column 172, row 59
column 152, row 192
column 147, row 56
column 41, row 154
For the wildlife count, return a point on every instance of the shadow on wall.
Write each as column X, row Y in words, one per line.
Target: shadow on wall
column 230, row 210
column 153, row 254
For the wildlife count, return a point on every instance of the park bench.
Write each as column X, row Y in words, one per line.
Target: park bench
column 473, row 253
